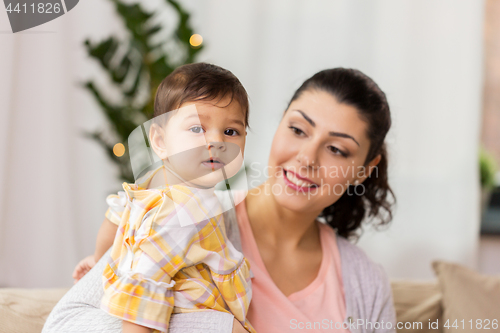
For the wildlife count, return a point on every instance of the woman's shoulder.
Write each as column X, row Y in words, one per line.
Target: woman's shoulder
column 356, row 261
column 352, row 250
column 367, row 288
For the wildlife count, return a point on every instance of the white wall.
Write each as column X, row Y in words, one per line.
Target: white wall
column 426, row 55
column 54, row 181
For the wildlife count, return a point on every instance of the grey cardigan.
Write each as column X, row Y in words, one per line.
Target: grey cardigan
column 368, row 297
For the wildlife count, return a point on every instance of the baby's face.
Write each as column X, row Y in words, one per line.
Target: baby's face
column 204, row 140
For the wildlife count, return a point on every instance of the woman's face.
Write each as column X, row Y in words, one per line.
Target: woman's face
column 318, row 150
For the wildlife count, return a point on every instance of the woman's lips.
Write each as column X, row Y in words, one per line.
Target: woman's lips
column 297, row 182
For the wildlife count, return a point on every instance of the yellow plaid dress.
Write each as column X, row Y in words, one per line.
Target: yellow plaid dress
column 171, row 249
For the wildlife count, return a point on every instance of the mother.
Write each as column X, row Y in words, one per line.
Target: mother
column 328, row 162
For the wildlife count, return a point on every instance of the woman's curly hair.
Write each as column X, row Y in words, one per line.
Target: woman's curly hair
column 352, row 87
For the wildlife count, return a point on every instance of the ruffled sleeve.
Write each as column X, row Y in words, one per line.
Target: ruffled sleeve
column 138, row 286
column 236, row 290
column 138, row 299
column 116, row 206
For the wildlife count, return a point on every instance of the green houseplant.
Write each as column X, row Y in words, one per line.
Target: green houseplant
column 136, row 65
column 487, row 168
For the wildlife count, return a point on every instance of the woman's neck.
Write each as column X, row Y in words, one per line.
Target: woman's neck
column 277, row 225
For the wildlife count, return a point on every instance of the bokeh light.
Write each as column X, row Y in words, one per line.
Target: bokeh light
column 119, row 149
column 195, row 40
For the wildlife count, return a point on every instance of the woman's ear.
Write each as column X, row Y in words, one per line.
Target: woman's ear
column 370, row 168
column 157, row 141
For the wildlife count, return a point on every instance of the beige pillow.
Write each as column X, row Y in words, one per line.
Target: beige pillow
column 417, row 303
column 471, row 301
column 25, row 310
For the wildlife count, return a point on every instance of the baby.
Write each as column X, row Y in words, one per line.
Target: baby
column 171, row 246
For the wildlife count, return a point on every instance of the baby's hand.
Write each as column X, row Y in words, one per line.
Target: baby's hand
column 83, row 267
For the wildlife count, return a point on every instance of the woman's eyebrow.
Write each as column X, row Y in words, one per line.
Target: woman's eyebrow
column 306, row 117
column 343, row 135
column 313, row 124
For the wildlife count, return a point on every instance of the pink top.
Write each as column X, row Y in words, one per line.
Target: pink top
column 318, row 307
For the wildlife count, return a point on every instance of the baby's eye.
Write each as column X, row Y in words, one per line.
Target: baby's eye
column 196, row 129
column 231, row 132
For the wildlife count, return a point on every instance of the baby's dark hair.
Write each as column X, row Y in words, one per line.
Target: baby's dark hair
column 199, row 82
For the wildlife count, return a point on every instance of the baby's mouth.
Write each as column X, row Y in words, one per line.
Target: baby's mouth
column 213, row 163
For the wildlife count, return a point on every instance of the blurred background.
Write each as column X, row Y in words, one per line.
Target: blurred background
column 438, row 61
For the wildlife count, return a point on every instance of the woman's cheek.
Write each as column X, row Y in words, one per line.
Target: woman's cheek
column 335, row 179
column 283, row 146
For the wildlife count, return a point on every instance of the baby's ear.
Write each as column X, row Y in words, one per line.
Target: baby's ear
column 157, row 141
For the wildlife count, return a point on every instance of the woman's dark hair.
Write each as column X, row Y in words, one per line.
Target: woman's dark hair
column 351, row 87
column 199, row 82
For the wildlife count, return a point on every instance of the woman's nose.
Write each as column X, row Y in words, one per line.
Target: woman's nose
column 307, row 156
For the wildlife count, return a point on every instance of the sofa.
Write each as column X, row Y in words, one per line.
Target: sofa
column 421, row 306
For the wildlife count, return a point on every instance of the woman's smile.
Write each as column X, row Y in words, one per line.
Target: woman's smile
column 297, row 182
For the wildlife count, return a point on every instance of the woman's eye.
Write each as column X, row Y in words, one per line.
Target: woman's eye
column 337, row 151
column 231, row 132
column 196, row 129
column 296, row 131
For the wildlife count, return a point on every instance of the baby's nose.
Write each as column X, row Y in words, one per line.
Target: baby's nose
column 217, row 145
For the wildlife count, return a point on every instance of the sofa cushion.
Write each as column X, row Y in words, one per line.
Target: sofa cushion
column 417, row 303
column 25, row 310
column 468, row 295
